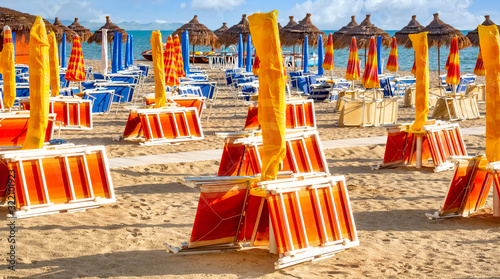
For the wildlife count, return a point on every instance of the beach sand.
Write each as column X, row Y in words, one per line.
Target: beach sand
column 126, row 239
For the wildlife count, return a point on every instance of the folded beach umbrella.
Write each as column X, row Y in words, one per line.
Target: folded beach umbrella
column 414, row 68
column 240, row 51
column 256, row 65
column 120, row 54
column 272, row 103
column 127, row 63
column 158, row 68
column 76, row 66
column 392, row 62
column 420, row 45
column 479, row 69
column 473, row 36
column 185, row 51
column 328, row 63
column 55, row 81
column 131, row 53
column 39, row 86
column 248, row 62
column 370, row 76
column 171, row 76
column 104, row 52
column 178, row 57
column 305, row 55
column 321, row 71
column 352, row 72
column 63, row 52
column 114, row 54
column 379, row 54
column 453, row 64
column 489, row 40
column 7, row 68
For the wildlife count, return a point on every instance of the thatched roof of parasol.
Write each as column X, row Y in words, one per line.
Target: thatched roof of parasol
column 474, row 35
column 221, row 30
column 343, row 30
column 296, row 34
column 21, row 23
column 69, row 33
column 279, row 26
column 83, row 32
column 199, row 34
column 441, row 34
column 413, row 27
column 97, row 36
column 363, row 33
column 232, row 34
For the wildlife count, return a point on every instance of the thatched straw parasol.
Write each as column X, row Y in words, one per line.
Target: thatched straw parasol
column 221, row 30
column 69, row 33
column 279, row 26
column 343, row 30
column 97, row 36
column 83, row 32
column 296, row 34
column 413, row 27
column 363, row 33
column 441, row 34
column 287, row 27
column 474, row 35
column 199, row 34
column 21, row 23
column 232, row 34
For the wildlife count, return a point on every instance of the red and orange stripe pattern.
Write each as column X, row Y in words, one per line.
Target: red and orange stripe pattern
column 370, row 76
column 178, row 55
column 453, row 64
column 353, row 62
column 392, row 62
column 169, row 59
column 328, row 62
column 479, row 69
column 76, row 66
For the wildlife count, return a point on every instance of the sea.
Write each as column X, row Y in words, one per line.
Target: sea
column 468, row 56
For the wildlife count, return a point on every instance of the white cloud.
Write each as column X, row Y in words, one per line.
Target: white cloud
column 160, row 21
column 182, row 5
column 216, row 5
column 387, row 14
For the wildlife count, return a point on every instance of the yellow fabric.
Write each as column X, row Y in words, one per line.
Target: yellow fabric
column 7, row 69
column 39, row 72
column 420, row 46
column 159, row 69
column 265, row 36
column 489, row 41
column 55, row 81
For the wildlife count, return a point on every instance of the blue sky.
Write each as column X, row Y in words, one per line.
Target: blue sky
column 326, row 14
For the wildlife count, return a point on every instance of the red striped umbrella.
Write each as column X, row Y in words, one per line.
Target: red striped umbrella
column 171, row 76
column 414, row 68
column 453, row 64
column 392, row 62
column 353, row 62
column 76, row 66
column 479, row 69
column 256, row 66
column 178, row 55
column 328, row 62
column 370, row 76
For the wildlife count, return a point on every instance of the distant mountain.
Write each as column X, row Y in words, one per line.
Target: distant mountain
column 129, row 25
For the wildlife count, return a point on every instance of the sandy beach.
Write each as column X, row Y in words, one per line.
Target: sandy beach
column 126, row 239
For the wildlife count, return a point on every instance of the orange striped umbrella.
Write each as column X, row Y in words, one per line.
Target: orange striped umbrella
column 479, row 69
column 7, row 69
column 370, row 76
column 328, row 62
column 353, row 62
column 256, row 64
column 414, row 68
column 76, row 66
column 178, row 55
column 171, row 76
column 453, row 64
column 392, row 62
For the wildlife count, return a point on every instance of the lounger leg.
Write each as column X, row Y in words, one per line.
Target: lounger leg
column 419, row 151
column 496, row 202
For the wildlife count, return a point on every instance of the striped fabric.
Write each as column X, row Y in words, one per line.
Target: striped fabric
column 256, row 64
column 76, row 66
column 453, row 64
column 328, row 61
column 479, row 69
column 169, row 60
column 370, row 76
column 178, row 55
column 353, row 62
column 414, row 68
column 392, row 62
column 7, row 69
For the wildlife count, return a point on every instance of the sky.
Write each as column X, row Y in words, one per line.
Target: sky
column 326, row 14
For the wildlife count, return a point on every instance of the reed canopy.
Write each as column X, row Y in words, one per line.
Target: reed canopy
column 199, row 34
column 221, row 30
column 441, row 34
column 363, row 32
column 295, row 35
column 81, row 31
column 473, row 36
column 97, row 36
column 69, row 33
column 231, row 36
column 413, row 27
column 337, row 34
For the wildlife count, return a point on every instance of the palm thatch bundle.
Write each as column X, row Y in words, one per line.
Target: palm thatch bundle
column 69, row 33
column 343, row 30
column 296, row 34
column 221, row 30
column 413, row 27
column 21, row 23
column 474, row 35
column 441, row 34
column 97, row 36
column 83, row 32
column 363, row 34
column 199, row 34
column 279, row 26
column 287, row 27
column 231, row 36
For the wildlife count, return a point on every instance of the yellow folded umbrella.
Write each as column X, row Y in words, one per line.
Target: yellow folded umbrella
column 7, row 69
column 159, row 69
column 55, row 80
column 39, row 86
column 421, row 48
